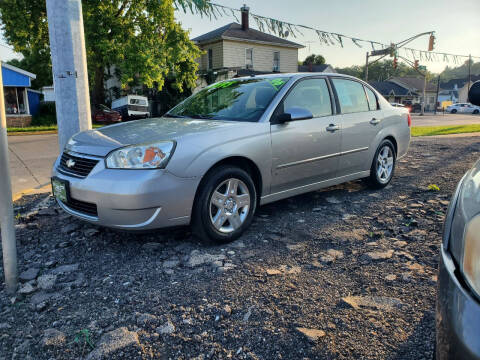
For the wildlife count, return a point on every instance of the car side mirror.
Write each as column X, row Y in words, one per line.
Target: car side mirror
column 293, row 114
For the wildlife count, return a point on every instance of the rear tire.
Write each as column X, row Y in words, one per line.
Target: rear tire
column 225, row 204
column 383, row 165
column 454, row 111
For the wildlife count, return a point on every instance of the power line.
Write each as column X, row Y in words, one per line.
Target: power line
column 284, row 28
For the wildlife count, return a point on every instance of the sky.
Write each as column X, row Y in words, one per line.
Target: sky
column 455, row 23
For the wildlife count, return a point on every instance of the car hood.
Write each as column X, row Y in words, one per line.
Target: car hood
column 101, row 141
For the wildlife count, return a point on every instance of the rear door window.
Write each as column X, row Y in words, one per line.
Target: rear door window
column 351, row 96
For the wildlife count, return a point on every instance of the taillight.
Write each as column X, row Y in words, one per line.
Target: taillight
column 409, row 120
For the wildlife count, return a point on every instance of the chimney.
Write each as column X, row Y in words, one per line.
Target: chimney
column 245, row 13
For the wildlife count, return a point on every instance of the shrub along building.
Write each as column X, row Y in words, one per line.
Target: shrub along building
column 21, row 102
column 238, row 50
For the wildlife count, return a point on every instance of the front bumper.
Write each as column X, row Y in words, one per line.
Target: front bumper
column 132, row 199
column 457, row 316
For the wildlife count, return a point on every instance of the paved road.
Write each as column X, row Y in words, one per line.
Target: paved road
column 445, row 119
column 31, row 159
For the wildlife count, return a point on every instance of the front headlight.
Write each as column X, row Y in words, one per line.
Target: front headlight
column 471, row 254
column 464, row 243
column 143, row 156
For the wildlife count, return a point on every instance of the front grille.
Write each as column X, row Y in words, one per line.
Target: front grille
column 82, row 207
column 81, row 168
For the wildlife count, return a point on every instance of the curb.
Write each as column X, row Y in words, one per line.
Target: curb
column 37, row 190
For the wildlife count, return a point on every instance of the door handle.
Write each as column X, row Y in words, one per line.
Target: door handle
column 374, row 121
column 333, row 127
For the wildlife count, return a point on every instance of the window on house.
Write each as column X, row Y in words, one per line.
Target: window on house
column 276, row 61
column 210, row 58
column 249, row 58
column 15, row 100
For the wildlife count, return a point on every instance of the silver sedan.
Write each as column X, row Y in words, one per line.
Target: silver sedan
column 233, row 146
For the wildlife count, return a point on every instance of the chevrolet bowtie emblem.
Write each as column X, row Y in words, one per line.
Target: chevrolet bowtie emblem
column 70, row 163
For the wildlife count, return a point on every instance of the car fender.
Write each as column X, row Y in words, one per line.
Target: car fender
column 202, row 155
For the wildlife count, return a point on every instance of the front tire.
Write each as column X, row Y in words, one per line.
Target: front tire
column 225, row 205
column 476, row 111
column 383, row 165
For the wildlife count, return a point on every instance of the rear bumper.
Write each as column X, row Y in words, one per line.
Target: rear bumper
column 457, row 315
column 132, row 199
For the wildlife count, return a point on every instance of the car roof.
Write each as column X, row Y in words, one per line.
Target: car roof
column 294, row 75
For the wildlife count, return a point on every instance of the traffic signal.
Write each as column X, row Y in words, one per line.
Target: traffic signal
column 395, row 62
column 431, row 42
column 415, row 64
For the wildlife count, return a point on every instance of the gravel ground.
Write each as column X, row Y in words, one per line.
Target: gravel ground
column 342, row 273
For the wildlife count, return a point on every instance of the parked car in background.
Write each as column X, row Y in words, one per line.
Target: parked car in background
column 132, row 107
column 235, row 145
column 463, row 108
column 458, row 298
column 103, row 114
column 397, row 105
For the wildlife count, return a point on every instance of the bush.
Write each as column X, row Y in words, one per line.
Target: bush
column 46, row 115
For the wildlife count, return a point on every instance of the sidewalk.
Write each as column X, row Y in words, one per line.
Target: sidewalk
column 31, row 160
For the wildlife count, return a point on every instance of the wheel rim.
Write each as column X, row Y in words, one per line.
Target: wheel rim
column 229, row 205
column 384, row 164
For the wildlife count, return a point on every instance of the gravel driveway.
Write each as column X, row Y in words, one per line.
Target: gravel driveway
column 343, row 273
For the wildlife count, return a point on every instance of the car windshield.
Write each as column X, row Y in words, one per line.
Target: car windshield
column 236, row 100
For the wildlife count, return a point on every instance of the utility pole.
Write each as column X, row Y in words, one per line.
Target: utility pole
column 436, row 97
column 424, row 86
column 9, row 246
column 366, row 68
column 469, row 72
column 69, row 66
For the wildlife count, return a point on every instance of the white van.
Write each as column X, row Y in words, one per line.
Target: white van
column 132, row 107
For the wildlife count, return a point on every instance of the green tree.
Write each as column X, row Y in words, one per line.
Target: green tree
column 460, row 72
column 382, row 70
column 314, row 60
column 140, row 38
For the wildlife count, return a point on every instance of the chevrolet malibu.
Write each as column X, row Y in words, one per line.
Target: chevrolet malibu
column 237, row 144
column 458, row 298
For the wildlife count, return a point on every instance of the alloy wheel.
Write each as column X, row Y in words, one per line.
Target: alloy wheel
column 385, row 164
column 229, row 205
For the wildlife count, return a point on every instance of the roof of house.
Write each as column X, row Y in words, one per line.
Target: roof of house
column 18, row 70
column 389, row 88
column 16, row 77
column 233, row 31
column 448, row 85
column 413, row 83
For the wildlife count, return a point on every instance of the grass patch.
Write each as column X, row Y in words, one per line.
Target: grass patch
column 32, row 128
column 40, row 128
column 444, row 130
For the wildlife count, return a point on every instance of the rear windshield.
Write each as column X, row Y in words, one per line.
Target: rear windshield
column 236, row 100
